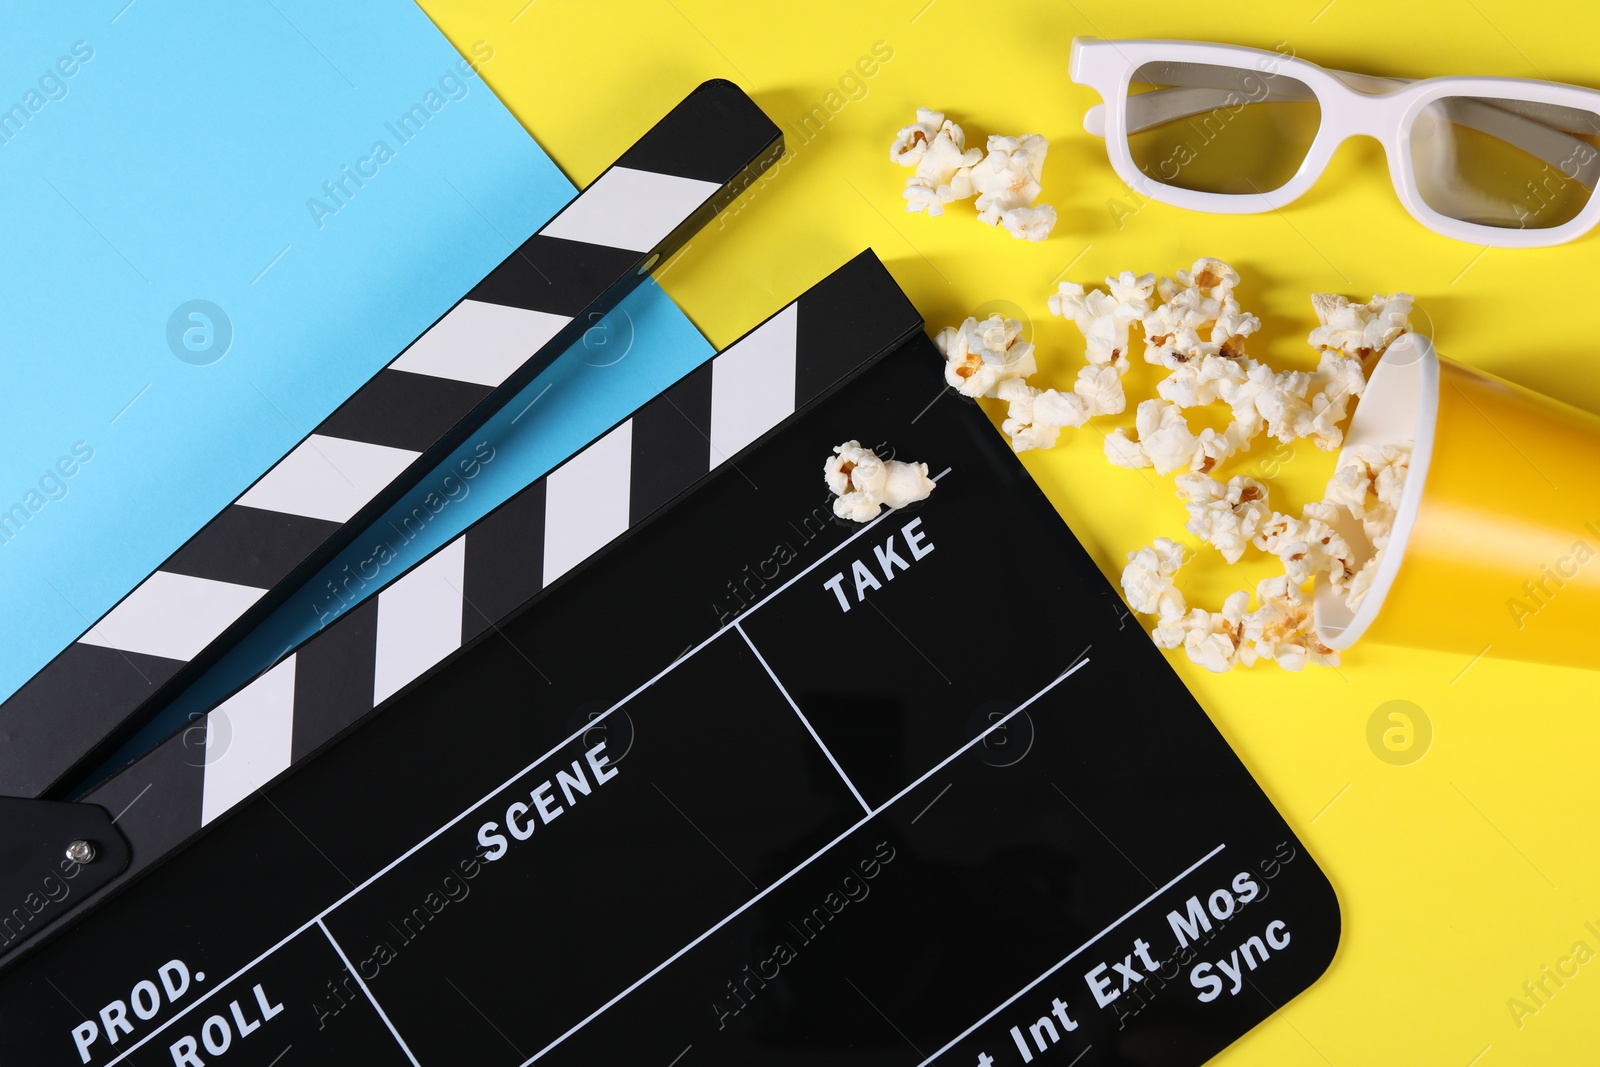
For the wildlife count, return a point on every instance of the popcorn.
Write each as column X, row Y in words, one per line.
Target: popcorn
column 1281, row 628
column 1164, row 436
column 1277, row 531
column 1207, row 380
column 1147, row 579
column 1167, row 442
column 1224, row 516
column 1194, row 326
column 1029, row 223
column 1211, row 277
column 911, row 144
column 906, row 483
column 1100, row 389
column 1356, row 591
column 1309, row 546
column 1132, row 290
column 1338, row 378
column 1369, row 485
column 864, row 483
column 1008, row 176
column 1213, row 639
column 1124, row 451
column 937, row 149
column 1360, row 331
column 981, row 355
column 1104, row 318
column 1006, row 180
column 1197, row 331
column 1171, row 631
column 1280, row 400
column 1007, row 184
column 1314, row 549
column 1198, row 316
column 1035, row 417
column 856, row 476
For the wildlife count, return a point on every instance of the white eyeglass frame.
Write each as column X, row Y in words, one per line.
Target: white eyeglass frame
column 1351, row 105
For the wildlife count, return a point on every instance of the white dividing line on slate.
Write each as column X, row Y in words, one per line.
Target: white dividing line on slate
column 370, row 998
column 804, row 721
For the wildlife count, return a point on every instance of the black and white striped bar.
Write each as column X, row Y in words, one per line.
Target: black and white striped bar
column 501, row 564
column 375, row 446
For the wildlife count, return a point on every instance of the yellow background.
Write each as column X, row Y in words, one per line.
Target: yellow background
column 1461, row 874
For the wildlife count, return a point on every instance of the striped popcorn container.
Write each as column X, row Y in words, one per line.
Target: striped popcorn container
column 1495, row 550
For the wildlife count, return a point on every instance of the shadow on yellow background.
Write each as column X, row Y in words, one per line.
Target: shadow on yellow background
column 1464, row 872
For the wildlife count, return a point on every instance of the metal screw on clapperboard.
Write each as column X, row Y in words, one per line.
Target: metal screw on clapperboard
column 81, row 852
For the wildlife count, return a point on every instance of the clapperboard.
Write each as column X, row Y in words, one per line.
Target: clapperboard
column 659, row 762
column 386, row 437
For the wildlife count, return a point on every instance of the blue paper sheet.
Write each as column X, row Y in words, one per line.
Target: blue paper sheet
column 155, row 154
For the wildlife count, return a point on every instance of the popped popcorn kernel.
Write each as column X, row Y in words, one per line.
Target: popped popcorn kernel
column 981, row 355
column 1198, row 316
column 936, row 147
column 1359, row 331
column 1147, row 580
column 906, row 483
column 1029, row 223
column 1104, row 318
column 1165, row 440
column 1124, row 451
column 913, row 141
column 1281, row 629
column 1369, row 484
column 864, row 483
column 1224, row 515
column 1213, row 639
column 1006, row 182
column 1338, row 380
column 1036, row 417
column 1008, row 175
column 1316, row 549
column 1100, row 389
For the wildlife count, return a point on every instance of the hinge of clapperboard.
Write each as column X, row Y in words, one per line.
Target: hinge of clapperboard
column 360, row 460
column 425, row 619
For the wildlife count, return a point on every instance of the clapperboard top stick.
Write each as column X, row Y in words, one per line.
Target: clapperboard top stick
column 384, row 438
column 496, row 569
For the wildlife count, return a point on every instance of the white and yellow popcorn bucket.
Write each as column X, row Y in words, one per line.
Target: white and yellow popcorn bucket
column 1495, row 548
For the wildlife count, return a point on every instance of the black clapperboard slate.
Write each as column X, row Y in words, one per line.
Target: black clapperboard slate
column 748, row 785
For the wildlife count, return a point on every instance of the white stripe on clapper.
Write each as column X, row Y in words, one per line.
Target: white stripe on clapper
column 480, row 342
column 249, row 740
column 753, row 385
column 632, row 209
column 586, row 502
column 327, row 478
column 172, row 615
column 419, row 620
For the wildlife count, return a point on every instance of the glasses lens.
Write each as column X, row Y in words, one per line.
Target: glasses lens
column 1513, row 164
column 1218, row 129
